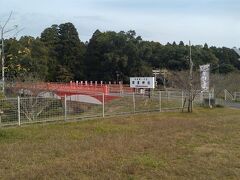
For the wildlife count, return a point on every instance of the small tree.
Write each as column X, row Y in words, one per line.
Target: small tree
column 36, row 99
column 191, row 87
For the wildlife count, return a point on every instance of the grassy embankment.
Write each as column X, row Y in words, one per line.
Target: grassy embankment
column 202, row 145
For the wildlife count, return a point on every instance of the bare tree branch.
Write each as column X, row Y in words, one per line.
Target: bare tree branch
column 6, row 22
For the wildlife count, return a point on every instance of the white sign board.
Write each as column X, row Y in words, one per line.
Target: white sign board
column 204, row 72
column 142, row 82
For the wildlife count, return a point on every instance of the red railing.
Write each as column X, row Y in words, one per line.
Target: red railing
column 66, row 87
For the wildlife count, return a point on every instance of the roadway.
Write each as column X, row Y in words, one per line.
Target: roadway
column 233, row 104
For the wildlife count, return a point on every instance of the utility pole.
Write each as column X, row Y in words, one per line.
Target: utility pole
column 2, row 53
column 190, row 105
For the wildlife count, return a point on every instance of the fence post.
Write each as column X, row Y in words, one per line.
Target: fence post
column 160, row 101
column 200, row 99
column 213, row 93
column 225, row 95
column 103, row 105
column 182, row 99
column 209, row 100
column 167, row 95
column 134, row 103
column 65, row 108
column 19, row 111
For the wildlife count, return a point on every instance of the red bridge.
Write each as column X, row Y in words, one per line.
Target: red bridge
column 88, row 93
column 82, row 92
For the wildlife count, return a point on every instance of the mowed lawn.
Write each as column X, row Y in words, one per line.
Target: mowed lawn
column 202, row 145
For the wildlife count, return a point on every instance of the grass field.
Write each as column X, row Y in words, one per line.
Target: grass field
column 202, row 145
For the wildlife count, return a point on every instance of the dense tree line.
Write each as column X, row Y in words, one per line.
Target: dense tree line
column 59, row 55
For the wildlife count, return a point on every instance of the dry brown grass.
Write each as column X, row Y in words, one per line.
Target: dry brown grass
column 202, row 145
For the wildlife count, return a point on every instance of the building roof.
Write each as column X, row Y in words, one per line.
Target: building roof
column 237, row 51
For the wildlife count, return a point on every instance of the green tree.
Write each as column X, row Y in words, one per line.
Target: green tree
column 35, row 57
column 50, row 38
column 111, row 52
column 63, row 74
column 14, row 54
column 70, row 50
column 228, row 59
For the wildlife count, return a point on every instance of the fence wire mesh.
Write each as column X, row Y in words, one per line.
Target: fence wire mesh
column 8, row 111
column 146, row 103
column 119, row 105
column 75, row 109
column 17, row 111
column 40, row 109
column 172, row 99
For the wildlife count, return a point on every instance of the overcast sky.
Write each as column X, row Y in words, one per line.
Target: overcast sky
column 216, row 22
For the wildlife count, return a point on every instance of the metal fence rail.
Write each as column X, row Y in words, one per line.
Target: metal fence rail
column 236, row 96
column 17, row 111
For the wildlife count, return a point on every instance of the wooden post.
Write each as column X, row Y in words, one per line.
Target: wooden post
column 160, row 101
column 103, row 105
column 134, row 103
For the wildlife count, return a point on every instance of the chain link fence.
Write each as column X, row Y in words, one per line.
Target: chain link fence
column 17, row 111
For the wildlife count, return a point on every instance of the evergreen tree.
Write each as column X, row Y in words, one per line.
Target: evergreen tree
column 70, row 50
column 50, row 38
column 59, row 55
